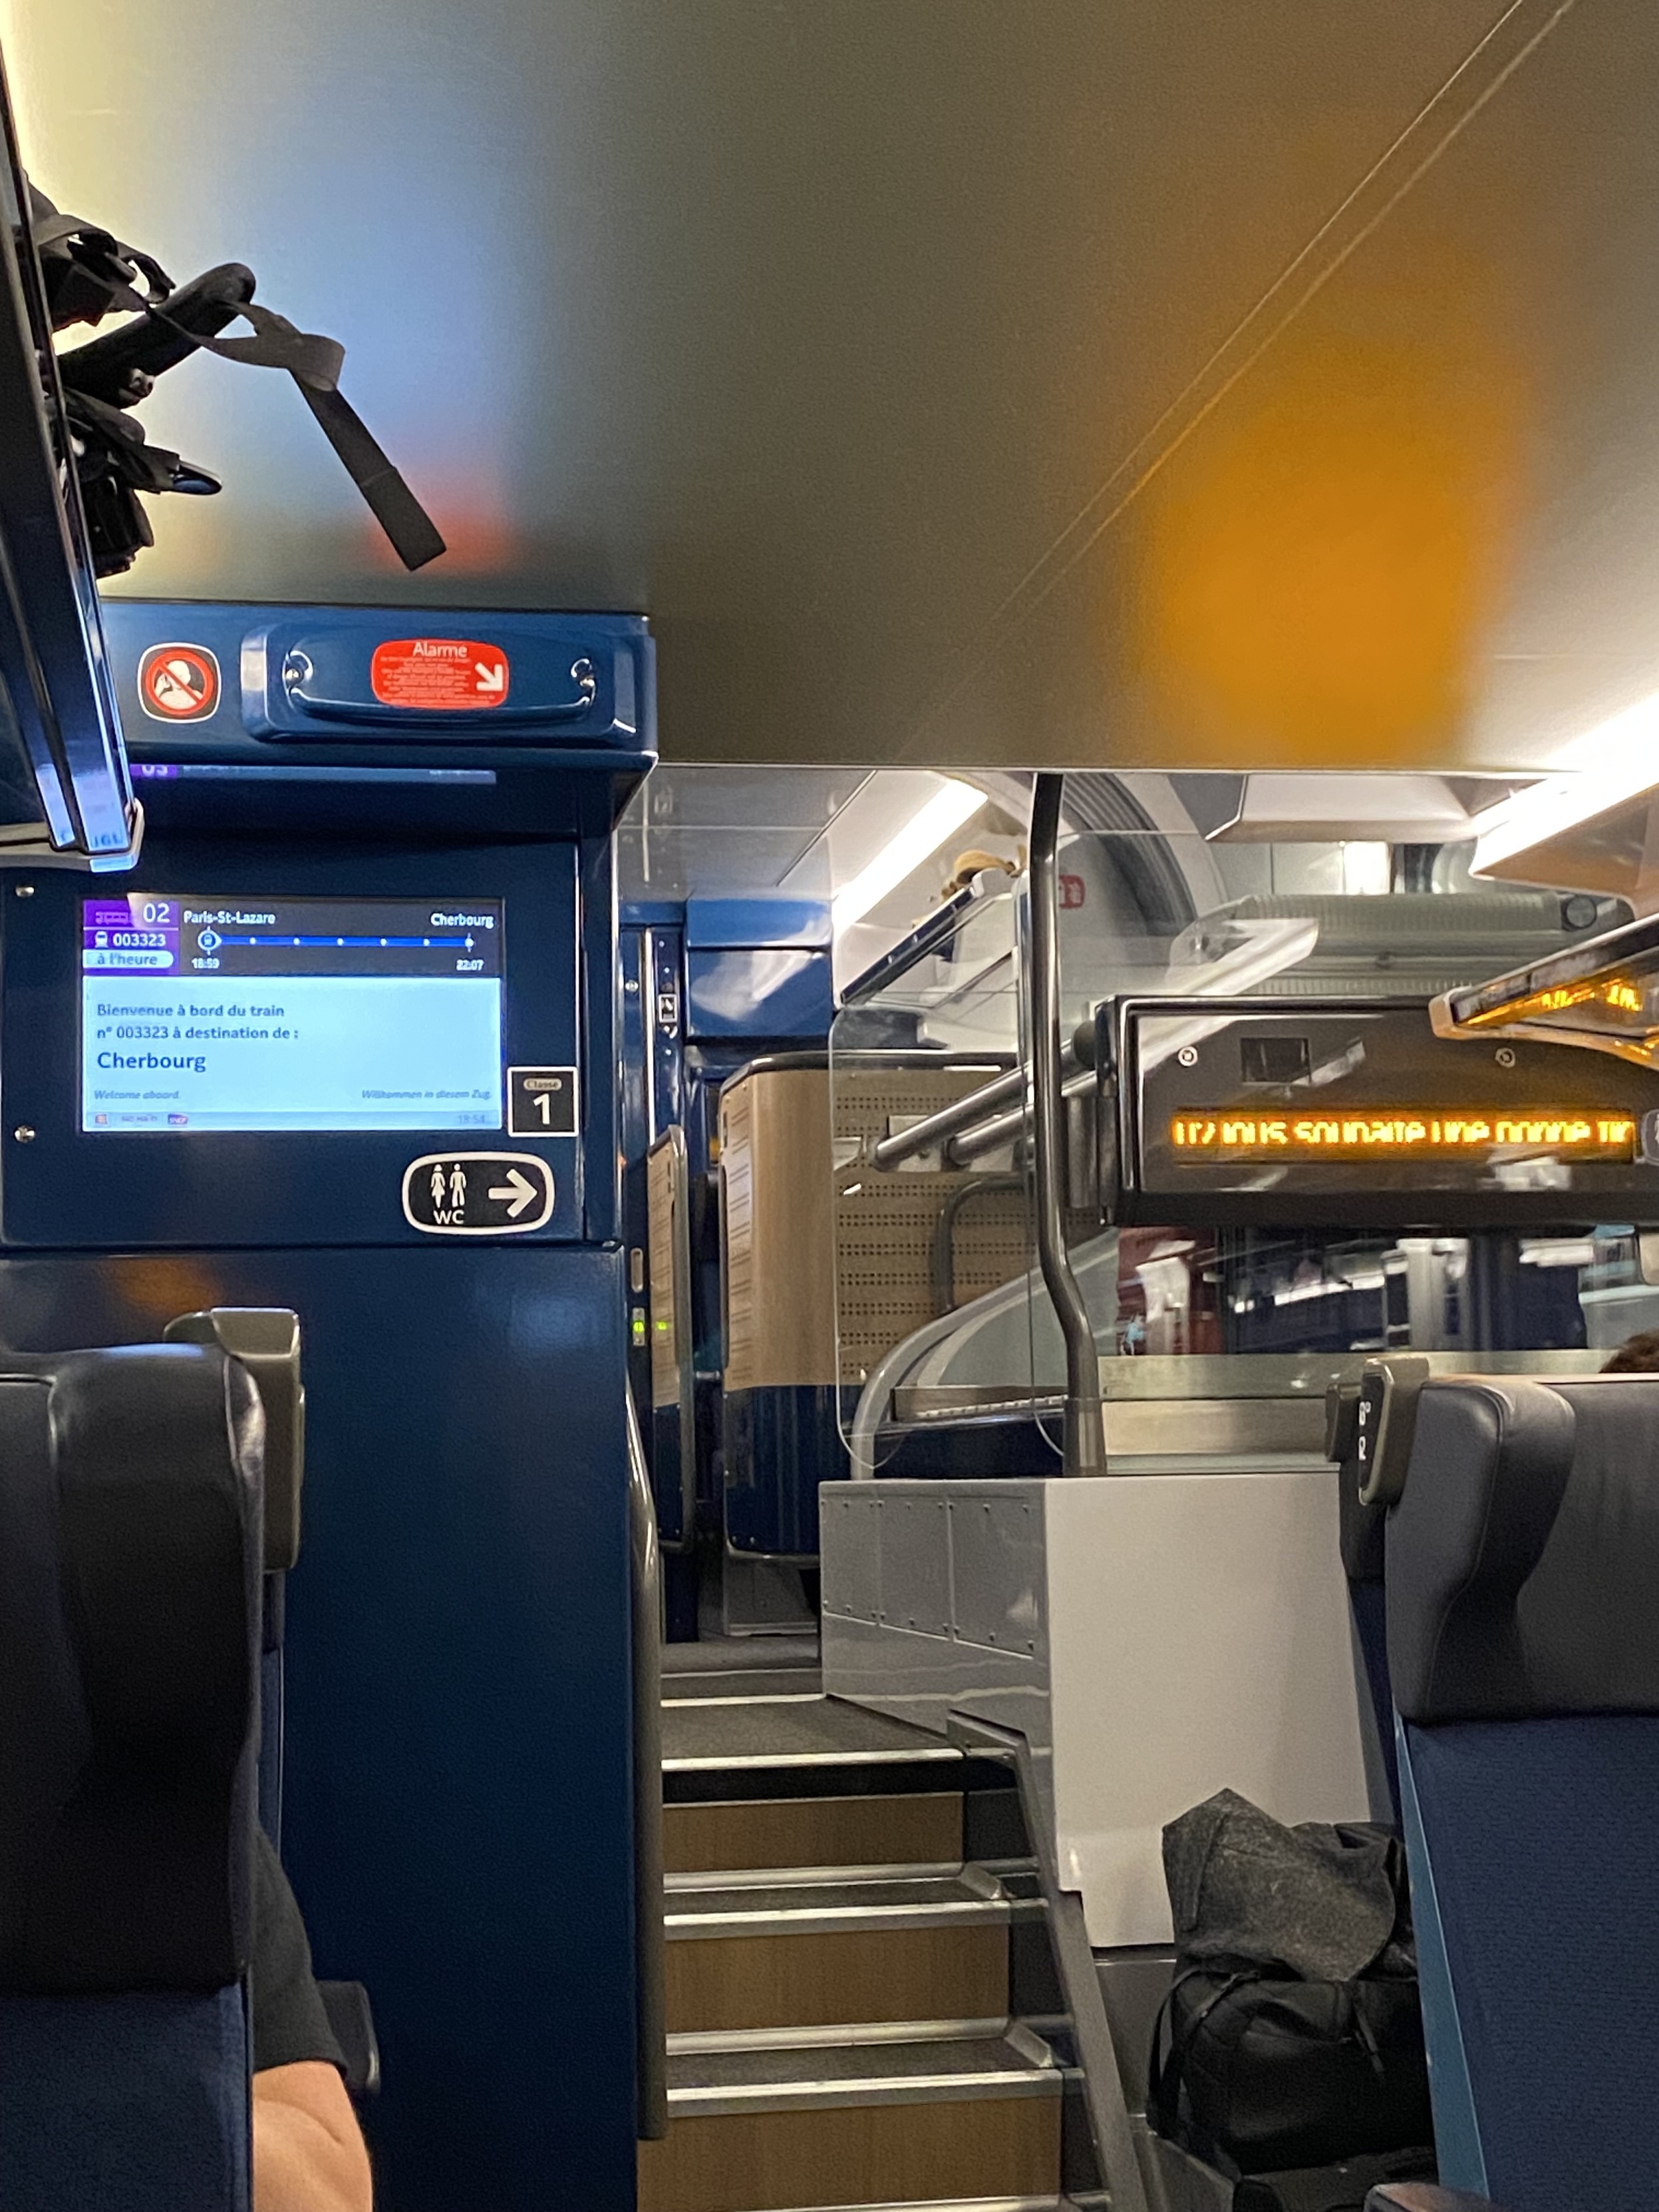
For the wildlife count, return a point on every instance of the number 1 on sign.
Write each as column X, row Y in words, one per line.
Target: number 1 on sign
column 541, row 1102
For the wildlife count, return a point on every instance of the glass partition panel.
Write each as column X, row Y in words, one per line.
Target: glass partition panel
column 1172, row 887
column 932, row 1199
column 950, row 1356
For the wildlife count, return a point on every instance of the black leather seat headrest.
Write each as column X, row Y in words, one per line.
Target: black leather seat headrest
column 1523, row 1556
column 130, row 1580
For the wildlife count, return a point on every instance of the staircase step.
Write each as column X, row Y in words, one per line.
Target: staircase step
column 765, row 1735
column 960, row 2113
column 731, row 1687
column 907, row 2064
column 828, row 1979
column 815, row 1948
column 973, row 2204
column 836, row 1901
column 731, row 1834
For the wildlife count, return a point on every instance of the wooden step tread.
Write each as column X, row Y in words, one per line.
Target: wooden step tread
column 816, row 1732
column 830, row 1900
column 992, row 2146
column 732, row 2074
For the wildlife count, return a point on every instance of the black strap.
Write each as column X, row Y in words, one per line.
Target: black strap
column 312, row 361
column 413, row 533
column 55, row 229
column 1165, row 2069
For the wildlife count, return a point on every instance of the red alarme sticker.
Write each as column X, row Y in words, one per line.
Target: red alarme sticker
column 443, row 675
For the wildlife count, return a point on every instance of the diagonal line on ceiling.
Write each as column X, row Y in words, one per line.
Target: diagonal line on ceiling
column 1442, row 120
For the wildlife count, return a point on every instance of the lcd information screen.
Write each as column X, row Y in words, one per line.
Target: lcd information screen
column 1397, row 1133
column 201, row 1012
column 1331, row 1110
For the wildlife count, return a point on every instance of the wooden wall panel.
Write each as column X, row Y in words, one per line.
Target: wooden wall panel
column 810, row 1981
column 854, row 2154
column 826, row 1832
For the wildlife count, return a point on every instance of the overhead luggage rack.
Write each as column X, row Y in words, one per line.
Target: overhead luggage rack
column 1602, row 996
column 65, row 796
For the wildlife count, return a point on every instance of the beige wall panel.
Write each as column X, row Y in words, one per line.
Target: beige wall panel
column 780, row 1281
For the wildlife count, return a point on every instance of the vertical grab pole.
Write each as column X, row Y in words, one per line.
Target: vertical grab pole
column 650, row 1933
column 1085, row 1426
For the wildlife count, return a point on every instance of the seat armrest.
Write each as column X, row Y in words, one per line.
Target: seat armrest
column 347, row 2006
column 1424, row 2196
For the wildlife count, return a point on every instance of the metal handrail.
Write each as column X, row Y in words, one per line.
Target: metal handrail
column 934, row 930
column 959, row 1118
column 1005, row 1128
column 924, row 1135
column 1085, row 1428
column 650, row 1926
column 1110, row 2126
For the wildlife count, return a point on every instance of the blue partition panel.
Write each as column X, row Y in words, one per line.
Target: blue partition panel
column 457, row 1804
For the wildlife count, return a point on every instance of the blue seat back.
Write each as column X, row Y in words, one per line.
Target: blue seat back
column 130, row 1558
column 1363, row 1558
column 1523, row 1644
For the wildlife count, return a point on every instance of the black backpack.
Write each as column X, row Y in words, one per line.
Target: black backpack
column 1292, row 2037
column 1344, row 2187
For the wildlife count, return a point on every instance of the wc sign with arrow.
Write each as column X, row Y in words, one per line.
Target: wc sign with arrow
column 478, row 1194
column 440, row 675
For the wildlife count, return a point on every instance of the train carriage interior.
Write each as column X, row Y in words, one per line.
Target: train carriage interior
column 829, row 1146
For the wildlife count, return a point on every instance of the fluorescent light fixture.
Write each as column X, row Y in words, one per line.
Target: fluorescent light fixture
column 952, row 805
column 1621, row 761
column 1367, row 869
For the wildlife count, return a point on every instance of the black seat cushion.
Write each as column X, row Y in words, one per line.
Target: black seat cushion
column 129, row 1558
column 1522, row 1556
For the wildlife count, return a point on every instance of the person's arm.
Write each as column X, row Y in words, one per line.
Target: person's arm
column 308, row 2151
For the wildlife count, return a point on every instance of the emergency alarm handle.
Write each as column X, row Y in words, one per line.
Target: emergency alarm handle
column 325, row 693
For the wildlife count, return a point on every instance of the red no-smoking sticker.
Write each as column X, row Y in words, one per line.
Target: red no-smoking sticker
column 178, row 682
column 443, row 675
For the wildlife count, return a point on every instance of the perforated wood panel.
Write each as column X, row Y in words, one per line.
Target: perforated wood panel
column 885, row 1224
column 660, row 1179
column 775, row 1182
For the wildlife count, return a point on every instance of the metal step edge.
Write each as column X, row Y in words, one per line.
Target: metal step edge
column 962, row 2204
column 848, row 1920
column 757, row 1762
column 816, row 1876
column 942, row 2089
column 1028, row 2069
column 836, row 2035
column 763, row 1697
column 987, row 1875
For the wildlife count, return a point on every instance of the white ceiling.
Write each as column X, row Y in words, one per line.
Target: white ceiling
column 1239, row 383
